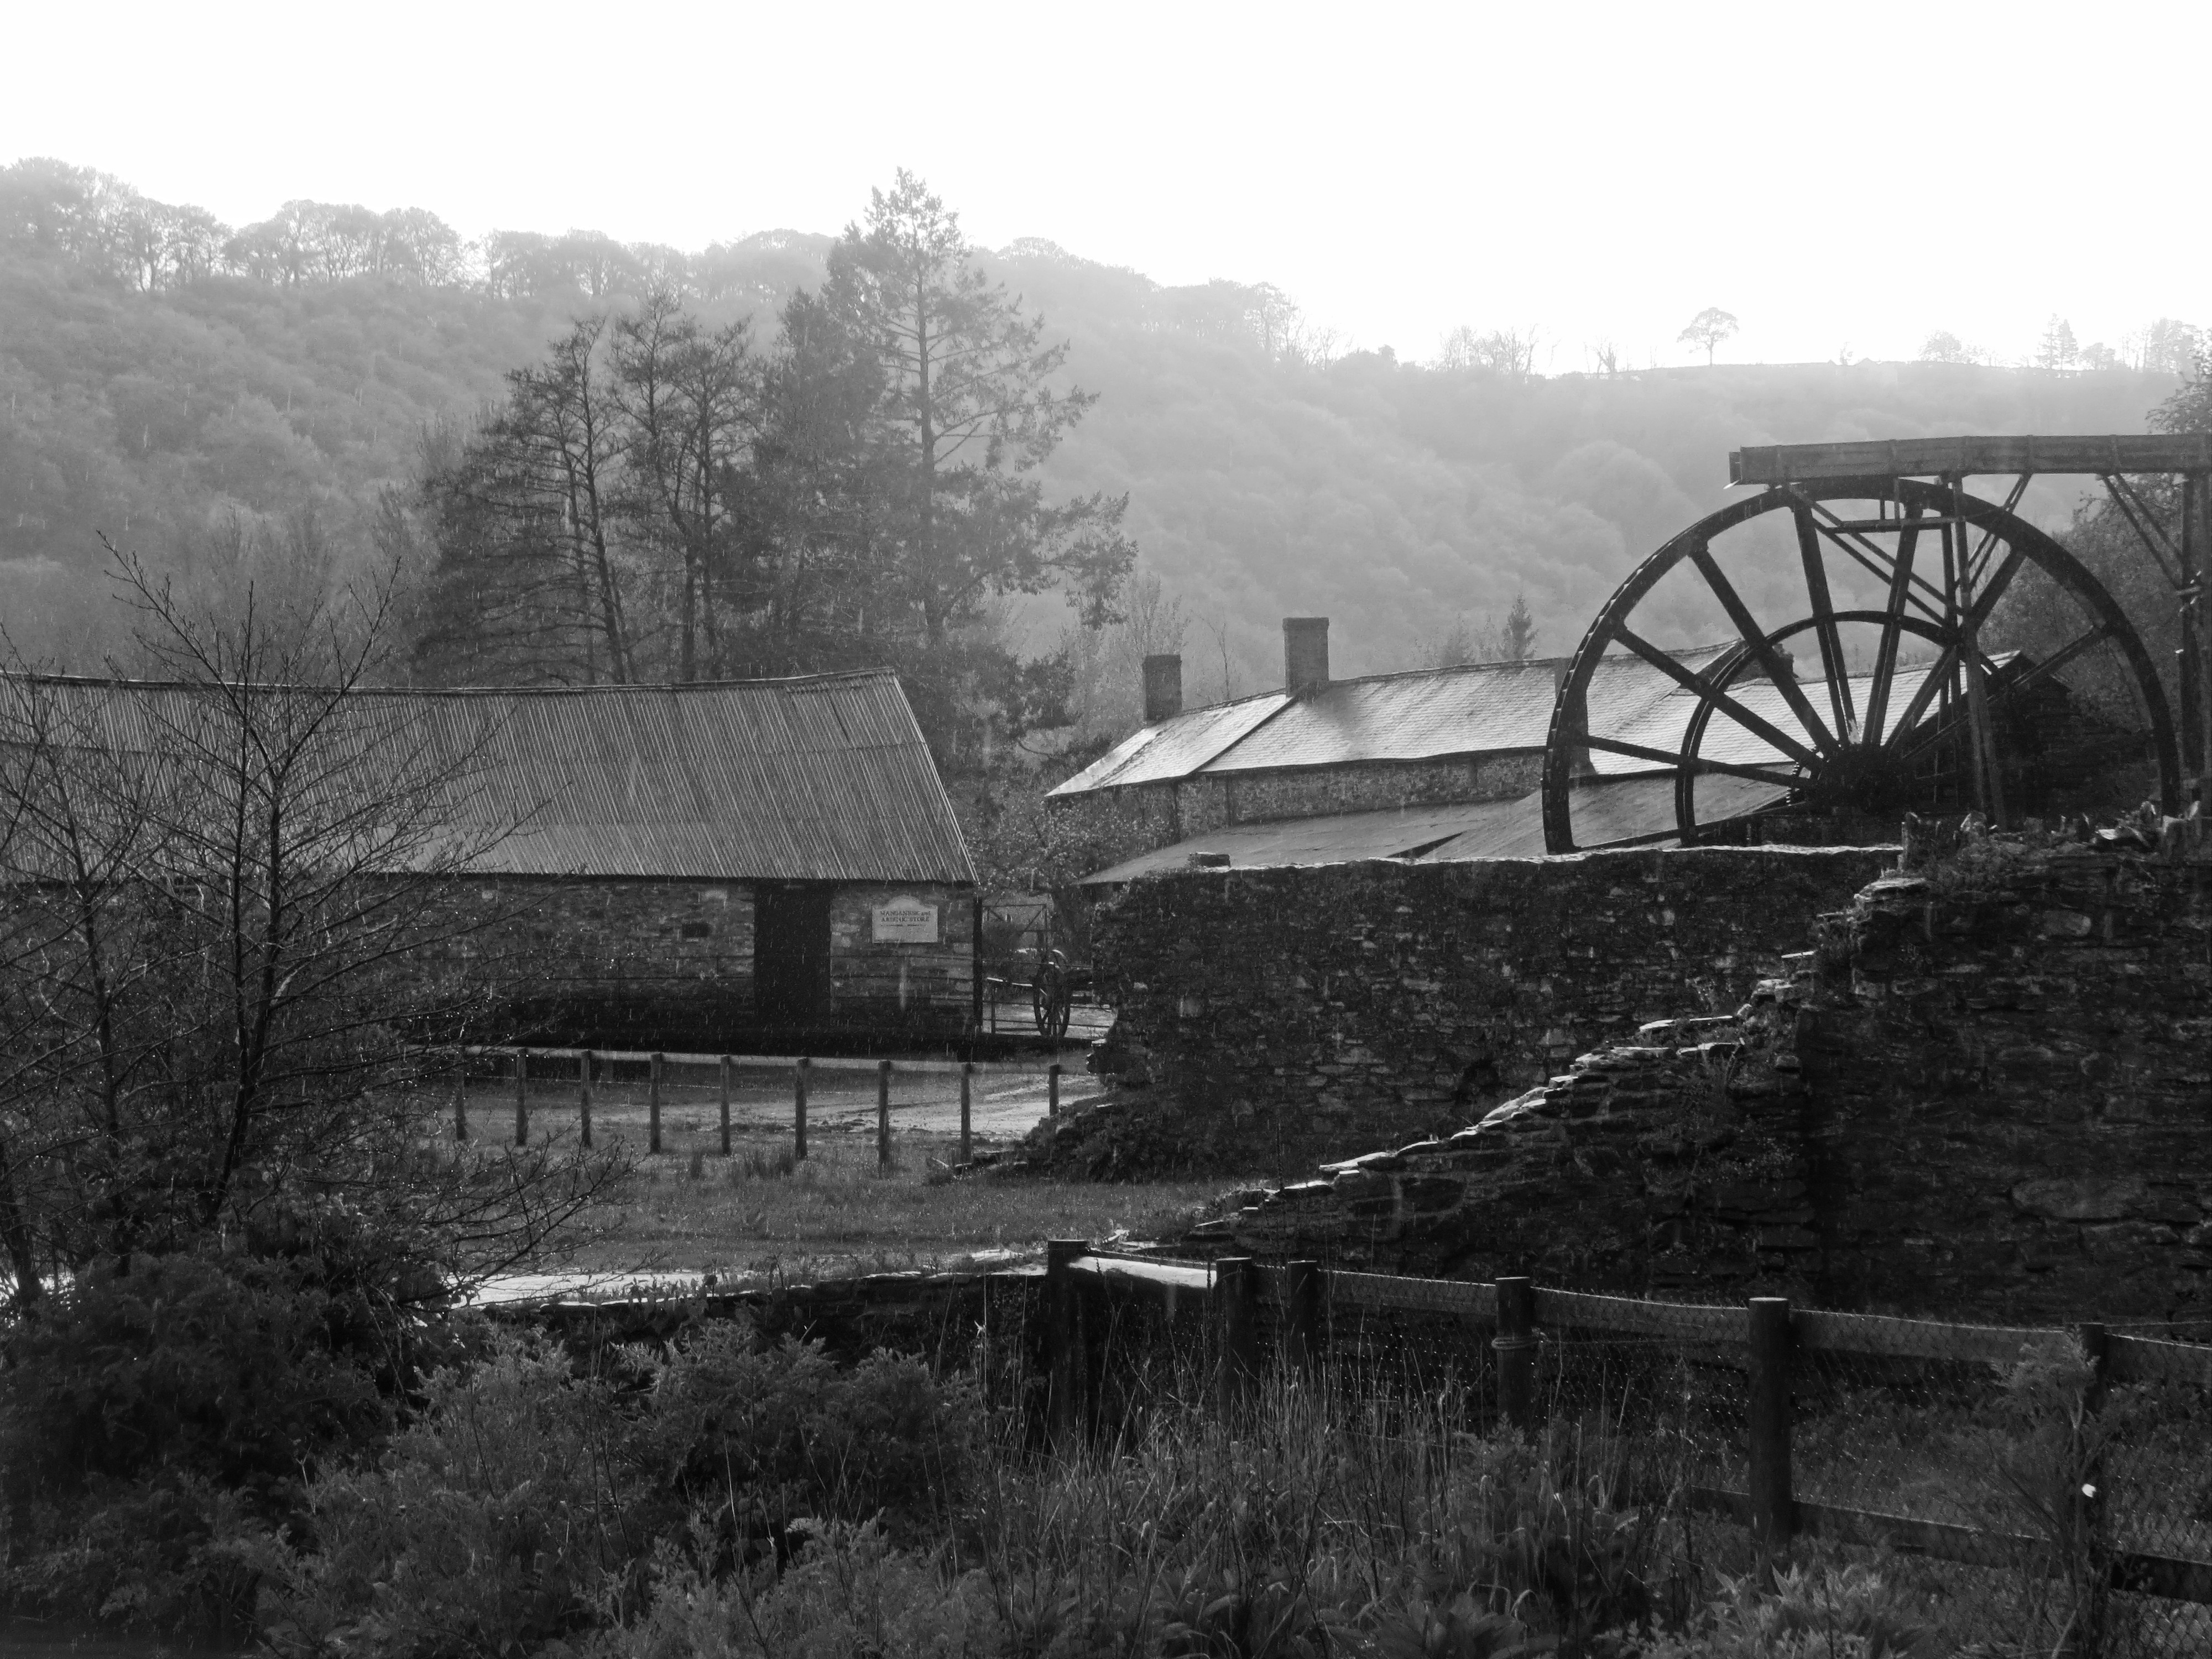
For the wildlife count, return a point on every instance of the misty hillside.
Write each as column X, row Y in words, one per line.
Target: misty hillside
column 169, row 404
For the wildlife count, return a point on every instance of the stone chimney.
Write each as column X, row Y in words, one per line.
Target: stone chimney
column 1305, row 653
column 1162, row 688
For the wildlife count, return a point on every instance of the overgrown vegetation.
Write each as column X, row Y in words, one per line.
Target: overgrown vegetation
column 761, row 1212
column 232, row 1227
column 733, row 1496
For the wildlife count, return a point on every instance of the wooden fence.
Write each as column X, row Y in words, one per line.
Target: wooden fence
column 1766, row 1339
column 587, row 1064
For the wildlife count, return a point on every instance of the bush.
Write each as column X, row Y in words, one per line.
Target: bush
column 769, row 1436
column 499, row 1519
column 526, row 1502
column 849, row 1594
column 153, row 1429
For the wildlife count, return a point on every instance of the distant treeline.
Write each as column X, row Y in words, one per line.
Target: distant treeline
column 110, row 227
column 263, row 417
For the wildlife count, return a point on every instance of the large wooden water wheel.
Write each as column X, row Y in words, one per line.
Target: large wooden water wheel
column 1853, row 680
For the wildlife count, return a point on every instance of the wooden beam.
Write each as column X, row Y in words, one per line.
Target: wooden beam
column 1926, row 458
column 2172, row 1578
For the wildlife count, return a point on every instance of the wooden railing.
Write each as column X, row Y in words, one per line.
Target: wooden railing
column 587, row 1063
column 1764, row 1338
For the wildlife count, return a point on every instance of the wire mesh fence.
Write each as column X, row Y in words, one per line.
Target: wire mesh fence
column 2051, row 1489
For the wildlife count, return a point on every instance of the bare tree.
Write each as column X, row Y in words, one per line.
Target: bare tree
column 235, row 921
column 1508, row 353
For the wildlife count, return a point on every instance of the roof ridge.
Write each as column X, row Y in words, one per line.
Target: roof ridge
column 124, row 681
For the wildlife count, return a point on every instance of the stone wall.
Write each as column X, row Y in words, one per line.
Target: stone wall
column 1120, row 824
column 1286, row 1016
column 648, row 963
column 1988, row 1092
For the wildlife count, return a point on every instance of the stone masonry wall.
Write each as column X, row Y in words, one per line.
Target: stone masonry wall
column 1120, row 824
column 1286, row 1016
column 1987, row 1093
column 625, row 963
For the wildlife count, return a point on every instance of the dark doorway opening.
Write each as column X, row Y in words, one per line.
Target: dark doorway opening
column 791, row 952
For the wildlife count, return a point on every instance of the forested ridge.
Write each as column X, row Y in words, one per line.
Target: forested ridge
column 255, row 402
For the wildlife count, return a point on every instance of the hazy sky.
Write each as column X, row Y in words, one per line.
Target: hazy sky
column 1836, row 174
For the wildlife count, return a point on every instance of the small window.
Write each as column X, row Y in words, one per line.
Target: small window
column 698, row 930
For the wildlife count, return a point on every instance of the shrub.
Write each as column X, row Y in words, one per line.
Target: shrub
column 771, row 1435
column 524, row 1503
column 154, row 1427
column 849, row 1594
column 502, row 1517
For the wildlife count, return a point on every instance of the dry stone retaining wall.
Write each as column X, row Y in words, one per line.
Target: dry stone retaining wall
column 1988, row 1090
column 1284, row 1017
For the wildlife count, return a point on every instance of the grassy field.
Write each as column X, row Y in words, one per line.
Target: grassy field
column 690, row 1210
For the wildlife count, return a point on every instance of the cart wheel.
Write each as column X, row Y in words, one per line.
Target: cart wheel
column 1052, row 1000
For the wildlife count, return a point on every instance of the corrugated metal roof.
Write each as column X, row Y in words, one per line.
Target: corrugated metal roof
column 826, row 778
column 1621, row 810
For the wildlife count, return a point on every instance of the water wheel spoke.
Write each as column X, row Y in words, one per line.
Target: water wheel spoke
column 1892, row 630
column 1872, row 557
column 1747, row 627
column 2053, row 663
column 1832, row 667
column 1698, row 763
column 1690, row 680
column 1939, row 677
column 1985, row 599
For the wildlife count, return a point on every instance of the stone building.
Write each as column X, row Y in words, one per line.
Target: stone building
column 1436, row 762
column 763, row 864
column 1443, row 764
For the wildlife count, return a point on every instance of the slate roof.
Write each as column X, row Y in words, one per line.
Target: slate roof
column 1430, row 714
column 1640, row 808
column 1487, row 708
column 824, row 778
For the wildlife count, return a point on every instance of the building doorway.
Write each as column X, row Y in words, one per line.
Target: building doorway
column 791, row 952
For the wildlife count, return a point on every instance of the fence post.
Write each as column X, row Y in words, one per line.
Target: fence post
column 461, row 1097
column 1302, row 1315
column 652, row 1103
column 883, row 1115
column 726, row 1105
column 967, row 1084
column 1770, row 1350
column 1237, row 1298
column 2093, row 1543
column 1051, row 1090
column 798, row 1107
column 584, row 1067
column 522, row 1096
column 1515, row 1348
column 1066, row 1366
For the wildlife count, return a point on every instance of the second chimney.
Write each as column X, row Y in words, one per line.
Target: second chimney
column 1305, row 653
column 1162, row 688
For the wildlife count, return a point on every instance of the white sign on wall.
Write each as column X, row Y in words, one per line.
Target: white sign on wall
column 904, row 921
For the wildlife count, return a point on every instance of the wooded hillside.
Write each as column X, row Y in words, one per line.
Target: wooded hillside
column 232, row 413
